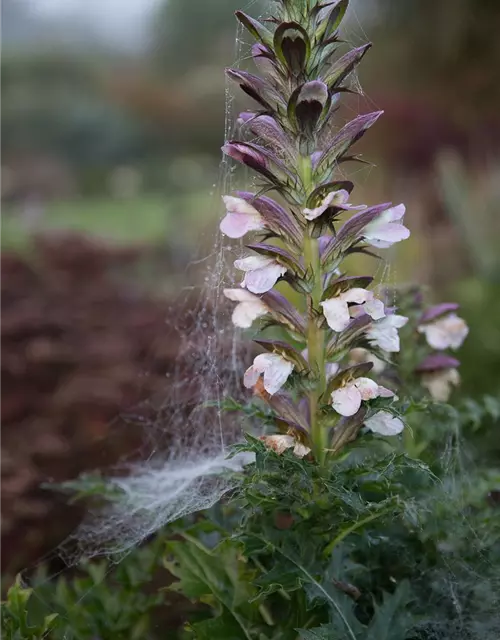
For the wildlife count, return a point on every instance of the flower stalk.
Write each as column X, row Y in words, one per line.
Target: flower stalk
column 291, row 140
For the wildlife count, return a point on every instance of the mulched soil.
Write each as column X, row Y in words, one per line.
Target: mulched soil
column 83, row 343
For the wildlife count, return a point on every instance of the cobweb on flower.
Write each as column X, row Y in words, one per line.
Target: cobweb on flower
column 187, row 468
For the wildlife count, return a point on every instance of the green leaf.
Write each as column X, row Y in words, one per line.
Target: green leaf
column 218, row 577
column 391, row 620
column 224, row 627
column 14, row 615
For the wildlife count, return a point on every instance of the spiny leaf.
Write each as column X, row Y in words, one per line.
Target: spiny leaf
column 344, row 66
column 256, row 28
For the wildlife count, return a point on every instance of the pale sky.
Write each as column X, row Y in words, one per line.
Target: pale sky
column 127, row 7
column 115, row 18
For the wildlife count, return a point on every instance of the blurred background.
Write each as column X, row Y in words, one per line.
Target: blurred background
column 112, row 121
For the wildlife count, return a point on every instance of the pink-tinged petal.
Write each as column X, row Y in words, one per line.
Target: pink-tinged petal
column 251, row 377
column 385, row 424
column 385, row 235
column 262, row 280
column 250, row 307
column 445, row 333
column 367, row 388
column 239, row 205
column 384, row 334
column 245, row 313
column 383, row 392
column 312, row 214
column 395, row 213
column 250, row 263
column 374, row 308
column 336, row 313
column 340, row 197
column 356, row 294
column 236, row 225
column 240, row 295
column 276, row 373
column 346, row 400
column 396, row 321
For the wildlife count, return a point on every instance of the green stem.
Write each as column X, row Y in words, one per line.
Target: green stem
column 354, row 527
column 315, row 335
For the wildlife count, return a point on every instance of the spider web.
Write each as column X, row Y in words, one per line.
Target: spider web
column 186, row 468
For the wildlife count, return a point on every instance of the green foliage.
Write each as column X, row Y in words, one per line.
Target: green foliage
column 15, row 620
column 220, row 578
column 99, row 601
column 374, row 546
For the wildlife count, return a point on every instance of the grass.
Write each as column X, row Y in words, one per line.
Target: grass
column 150, row 219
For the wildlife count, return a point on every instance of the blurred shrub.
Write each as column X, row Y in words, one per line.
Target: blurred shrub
column 471, row 200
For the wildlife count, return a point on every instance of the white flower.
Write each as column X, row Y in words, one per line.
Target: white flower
column 347, row 400
column 240, row 218
column 385, row 230
column 261, row 273
column 250, row 307
column 445, row 333
column 333, row 199
column 274, row 368
column 384, row 333
column 281, row 443
column 385, row 424
column 337, row 313
column 440, row 383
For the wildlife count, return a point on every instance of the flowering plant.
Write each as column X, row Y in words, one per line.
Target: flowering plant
column 334, row 531
column 320, row 399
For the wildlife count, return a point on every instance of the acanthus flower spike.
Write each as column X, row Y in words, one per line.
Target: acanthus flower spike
column 287, row 141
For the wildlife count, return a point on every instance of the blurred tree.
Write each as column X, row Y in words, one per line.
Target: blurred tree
column 185, row 33
column 451, row 44
column 54, row 104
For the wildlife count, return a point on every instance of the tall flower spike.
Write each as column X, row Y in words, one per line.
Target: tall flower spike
column 290, row 148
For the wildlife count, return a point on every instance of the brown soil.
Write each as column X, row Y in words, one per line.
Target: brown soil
column 83, row 344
